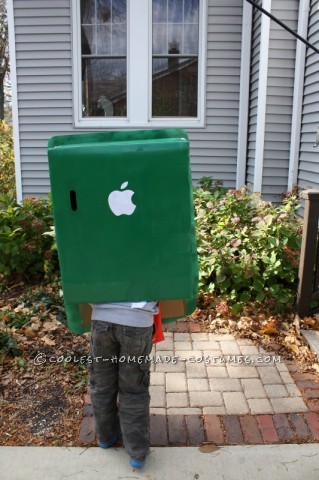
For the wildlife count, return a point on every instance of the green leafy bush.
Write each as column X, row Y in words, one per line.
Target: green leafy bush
column 14, row 319
column 8, row 346
column 248, row 249
column 25, row 252
column 7, row 169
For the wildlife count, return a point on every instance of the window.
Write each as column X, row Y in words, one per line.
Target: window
column 175, row 58
column 139, row 62
column 103, row 54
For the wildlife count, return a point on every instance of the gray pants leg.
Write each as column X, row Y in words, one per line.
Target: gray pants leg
column 104, row 380
column 126, row 378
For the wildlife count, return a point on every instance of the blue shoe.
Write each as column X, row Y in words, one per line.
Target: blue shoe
column 137, row 463
column 110, row 442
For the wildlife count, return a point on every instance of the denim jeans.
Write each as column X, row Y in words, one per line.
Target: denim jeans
column 119, row 383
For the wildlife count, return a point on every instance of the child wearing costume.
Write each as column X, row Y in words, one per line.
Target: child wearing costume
column 121, row 343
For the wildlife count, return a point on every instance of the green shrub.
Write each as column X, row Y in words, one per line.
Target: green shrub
column 14, row 319
column 25, row 251
column 8, row 346
column 7, row 168
column 248, row 249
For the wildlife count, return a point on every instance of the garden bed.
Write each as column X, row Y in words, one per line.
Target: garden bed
column 41, row 396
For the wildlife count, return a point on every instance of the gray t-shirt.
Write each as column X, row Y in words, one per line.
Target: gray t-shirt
column 132, row 314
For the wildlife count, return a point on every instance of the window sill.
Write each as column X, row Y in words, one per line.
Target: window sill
column 117, row 123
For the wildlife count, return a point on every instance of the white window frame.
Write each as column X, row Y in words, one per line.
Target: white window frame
column 139, row 80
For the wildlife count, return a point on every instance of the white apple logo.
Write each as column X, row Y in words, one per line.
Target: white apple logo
column 120, row 202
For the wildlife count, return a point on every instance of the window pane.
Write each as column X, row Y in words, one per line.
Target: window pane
column 174, row 87
column 160, row 39
column 119, row 11
column 103, row 11
column 104, row 76
column 175, row 39
column 119, row 39
column 107, row 34
column 175, row 11
column 191, row 9
column 87, row 11
column 88, row 40
column 103, row 39
column 190, row 39
column 175, row 58
column 104, row 87
column 159, row 11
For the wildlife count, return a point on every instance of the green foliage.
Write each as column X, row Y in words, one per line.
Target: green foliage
column 8, row 346
column 49, row 265
column 40, row 301
column 43, row 299
column 14, row 319
column 248, row 249
column 24, row 251
column 7, row 170
column 78, row 377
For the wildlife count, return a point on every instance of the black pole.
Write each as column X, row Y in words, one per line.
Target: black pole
column 254, row 4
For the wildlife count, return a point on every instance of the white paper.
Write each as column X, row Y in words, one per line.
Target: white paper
column 138, row 305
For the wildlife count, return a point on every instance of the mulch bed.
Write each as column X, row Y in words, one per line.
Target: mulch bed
column 42, row 390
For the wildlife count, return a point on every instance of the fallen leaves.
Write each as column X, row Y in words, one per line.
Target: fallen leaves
column 315, row 366
column 28, row 332
column 309, row 321
column 273, row 332
column 293, row 347
column 40, row 404
column 270, row 327
column 51, row 326
column 48, row 341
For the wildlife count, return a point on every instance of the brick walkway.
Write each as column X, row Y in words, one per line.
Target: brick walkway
column 217, row 389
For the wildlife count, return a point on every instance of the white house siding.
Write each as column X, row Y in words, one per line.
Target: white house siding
column 281, row 70
column 308, row 175
column 44, row 84
column 253, row 96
